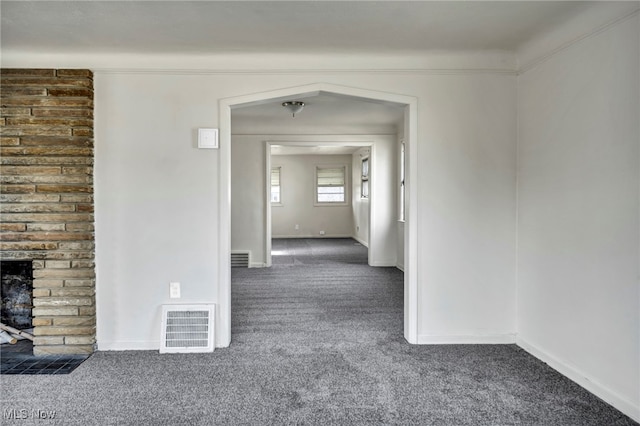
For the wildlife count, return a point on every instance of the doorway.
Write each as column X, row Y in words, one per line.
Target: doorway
column 292, row 209
column 409, row 104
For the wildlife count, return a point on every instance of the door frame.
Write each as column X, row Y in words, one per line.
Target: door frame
column 300, row 142
column 223, row 311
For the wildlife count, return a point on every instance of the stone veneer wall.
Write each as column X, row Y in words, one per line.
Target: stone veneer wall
column 46, row 196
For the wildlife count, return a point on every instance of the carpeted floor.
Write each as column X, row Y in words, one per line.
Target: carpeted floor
column 317, row 340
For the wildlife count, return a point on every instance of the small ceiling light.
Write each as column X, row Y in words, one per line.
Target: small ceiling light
column 293, row 106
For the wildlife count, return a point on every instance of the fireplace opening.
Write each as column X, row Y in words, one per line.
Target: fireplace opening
column 16, row 289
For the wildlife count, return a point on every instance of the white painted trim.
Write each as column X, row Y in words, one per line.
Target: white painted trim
column 361, row 241
column 128, row 345
column 316, row 236
column 467, row 339
column 284, row 71
column 411, row 224
column 399, row 266
column 529, row 64
column 267, row 203
column 258, row 265
column 131, row 345
column 223, row 323
column 589, row 383
column 372, row 230
column 347, row 185
column 327, row 140
column 389, row 263
column 437, row 63
column 223, row 313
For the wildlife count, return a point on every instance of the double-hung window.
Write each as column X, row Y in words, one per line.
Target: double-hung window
column 331, row 185
column 276, row 194
column 364, row 187
column 403, row 157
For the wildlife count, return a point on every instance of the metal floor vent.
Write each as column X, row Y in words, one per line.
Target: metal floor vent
column 187, row 328
column 239, row 259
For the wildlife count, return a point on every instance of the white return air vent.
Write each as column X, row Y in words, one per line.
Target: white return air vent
column 240, row 259
column 187, row 328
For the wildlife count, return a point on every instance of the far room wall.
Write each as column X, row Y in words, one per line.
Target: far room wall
column 248, row 196
column 298, row 215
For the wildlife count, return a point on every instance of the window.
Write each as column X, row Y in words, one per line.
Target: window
column 275, row 185
column 402, row 178
column 364, row 187
column 331, row 185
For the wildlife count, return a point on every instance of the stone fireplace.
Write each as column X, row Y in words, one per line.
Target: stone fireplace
column 46, row 196
column 16, row 288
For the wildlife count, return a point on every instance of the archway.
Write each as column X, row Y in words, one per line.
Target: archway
column 223, row 320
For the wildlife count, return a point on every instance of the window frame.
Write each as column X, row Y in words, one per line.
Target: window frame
column 345, row 185
column 364, row 178
column 271, row 186
column 402, row 178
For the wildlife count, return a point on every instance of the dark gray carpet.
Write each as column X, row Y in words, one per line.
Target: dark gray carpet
column 317, row 340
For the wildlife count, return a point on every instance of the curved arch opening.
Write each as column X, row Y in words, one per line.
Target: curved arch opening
column 408, row 103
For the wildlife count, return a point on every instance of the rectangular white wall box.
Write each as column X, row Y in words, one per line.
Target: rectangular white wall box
column 187, row 328
column 208, row 138
column 174, row 290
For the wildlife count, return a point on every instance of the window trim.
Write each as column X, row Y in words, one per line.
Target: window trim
column 365, row 178
column 275, row 203
column 402, row 182
column 346, row 202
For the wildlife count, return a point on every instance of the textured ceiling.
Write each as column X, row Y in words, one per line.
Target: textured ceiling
column 281, row 26
column 212, row 27
column 323, row 113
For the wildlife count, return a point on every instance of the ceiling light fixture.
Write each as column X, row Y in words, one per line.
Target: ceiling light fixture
column 293, row 106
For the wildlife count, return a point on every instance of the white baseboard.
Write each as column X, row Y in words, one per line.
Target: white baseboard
column 566, row 369
column 257, row 265
column 384, row 263
column 361, row 241
column 275, row 237
column 399, row 266
column 459, row 339
column 129, row 345
column 135, row 345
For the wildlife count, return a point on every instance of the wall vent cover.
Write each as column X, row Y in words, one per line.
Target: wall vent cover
column 239, row 259
column 187, row 328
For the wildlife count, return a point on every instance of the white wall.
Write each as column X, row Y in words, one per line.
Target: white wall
column 248, row 199
column 157, row 194
column 578, row 213
column 155, row 209
column 297, row 180
column 466, row 200
column 382, row 201
column 400, row 204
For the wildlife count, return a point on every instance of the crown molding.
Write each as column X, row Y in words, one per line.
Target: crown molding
column 429, row 63
column 535, row 60
column 422, row 71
